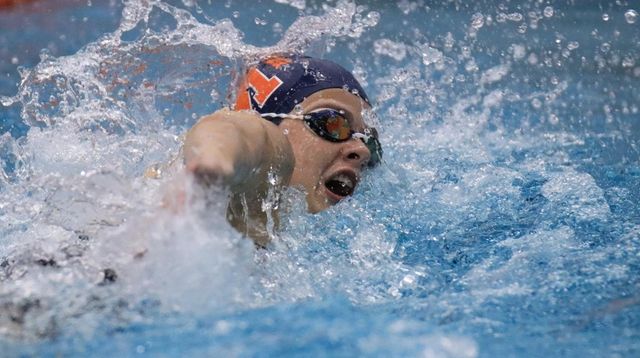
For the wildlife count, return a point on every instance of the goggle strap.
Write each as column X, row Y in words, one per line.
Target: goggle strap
column 281, row 115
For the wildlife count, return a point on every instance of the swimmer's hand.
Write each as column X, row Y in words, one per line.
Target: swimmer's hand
column 237, row 149
column 215, row 168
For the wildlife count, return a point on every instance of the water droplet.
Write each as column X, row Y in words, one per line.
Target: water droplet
column 516, row 17
column 631, row 16
column 522, row 28
column 628, row 62
column 536, row 103
column 477, row 20
column 519, row 51
column 548, row 11
column 395, row 50
column 605, row 17
column 372, row 18
column 6, row 101
column 214, row 95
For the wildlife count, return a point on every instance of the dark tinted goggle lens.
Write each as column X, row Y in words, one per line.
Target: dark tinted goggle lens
column 373, row 144
column 333, row 126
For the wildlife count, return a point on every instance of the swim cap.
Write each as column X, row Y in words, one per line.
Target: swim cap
column 278, row 83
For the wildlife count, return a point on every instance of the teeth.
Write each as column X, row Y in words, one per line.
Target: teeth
column 344, row 181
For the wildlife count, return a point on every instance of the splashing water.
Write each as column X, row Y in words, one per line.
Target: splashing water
column 504, row 220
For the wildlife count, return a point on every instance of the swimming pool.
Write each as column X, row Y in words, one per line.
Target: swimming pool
column 504, row 222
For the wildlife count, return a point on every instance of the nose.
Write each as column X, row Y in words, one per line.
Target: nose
column 354, row 151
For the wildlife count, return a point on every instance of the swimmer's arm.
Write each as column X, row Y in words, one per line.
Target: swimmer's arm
column 238, row 149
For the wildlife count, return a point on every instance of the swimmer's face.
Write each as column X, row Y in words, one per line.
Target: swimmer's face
column 327, row 171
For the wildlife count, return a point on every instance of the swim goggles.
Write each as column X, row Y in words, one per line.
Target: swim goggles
column 332, row 125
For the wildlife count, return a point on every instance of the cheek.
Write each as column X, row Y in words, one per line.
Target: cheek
column 312, row 154
column 304, row 144
column 316, row 155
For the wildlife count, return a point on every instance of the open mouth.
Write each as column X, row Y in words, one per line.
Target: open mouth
column 342, row 184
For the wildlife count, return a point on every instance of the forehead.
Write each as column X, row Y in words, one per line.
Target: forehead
column 337, row 98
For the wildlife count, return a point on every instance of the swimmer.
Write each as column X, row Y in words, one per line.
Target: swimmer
column 297, row 121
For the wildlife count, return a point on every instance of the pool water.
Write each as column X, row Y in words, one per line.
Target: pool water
column 503, row 222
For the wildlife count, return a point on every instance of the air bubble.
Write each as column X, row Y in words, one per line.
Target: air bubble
column 573, row 45
column 631, row 16
column 605, row 17
column 548, row 11
column 260, row 21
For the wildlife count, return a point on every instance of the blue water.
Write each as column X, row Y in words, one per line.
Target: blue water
column 504, row 221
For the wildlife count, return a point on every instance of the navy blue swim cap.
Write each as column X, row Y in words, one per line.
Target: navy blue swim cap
column 280, row 82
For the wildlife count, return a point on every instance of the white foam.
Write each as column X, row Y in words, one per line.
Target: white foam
column 576, row 194
column 519, row 274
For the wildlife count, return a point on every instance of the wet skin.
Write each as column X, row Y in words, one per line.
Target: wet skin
column 241, row 150
column 317, row 159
